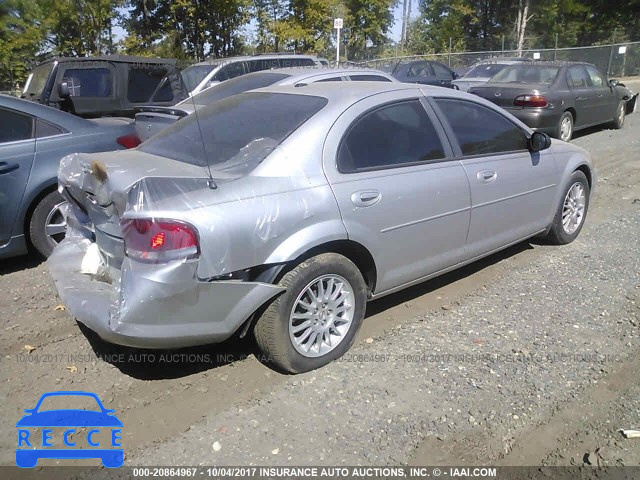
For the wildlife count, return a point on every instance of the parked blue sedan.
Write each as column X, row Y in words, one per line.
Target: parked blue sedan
column 33, row 139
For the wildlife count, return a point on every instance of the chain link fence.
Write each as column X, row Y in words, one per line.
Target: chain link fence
column 617, row 59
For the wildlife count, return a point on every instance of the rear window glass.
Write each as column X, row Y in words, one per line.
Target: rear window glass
column 484, row 71
column 234, row 86
column 526, row 74
column 144, row 81
column 239, row 132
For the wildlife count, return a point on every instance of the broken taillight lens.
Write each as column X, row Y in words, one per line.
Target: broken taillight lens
column 153, row 240
column 129, row 141
column 530, row 101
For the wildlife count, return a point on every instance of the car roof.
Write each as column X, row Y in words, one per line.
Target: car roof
column 112, row 58
column 266, row 56
column 354, row 91
column 50, row 114
column 303, row 73
column 551, row 63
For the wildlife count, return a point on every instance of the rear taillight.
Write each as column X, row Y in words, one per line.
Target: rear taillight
column 129, row 141
column 153, row 240
column 530, row 101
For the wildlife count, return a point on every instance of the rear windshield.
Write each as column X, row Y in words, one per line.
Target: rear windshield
column 526, row 74
column 239, row 132
column 487, row 70
column 193, row 75
column 234, row 86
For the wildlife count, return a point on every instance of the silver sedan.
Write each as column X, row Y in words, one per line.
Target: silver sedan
column 282, row 211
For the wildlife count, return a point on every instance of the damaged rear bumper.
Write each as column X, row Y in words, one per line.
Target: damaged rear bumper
column 154, row 305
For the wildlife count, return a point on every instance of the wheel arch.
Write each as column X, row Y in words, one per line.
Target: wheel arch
column 32, row 202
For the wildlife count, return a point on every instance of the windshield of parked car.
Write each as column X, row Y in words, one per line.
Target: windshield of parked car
column 234, row 86
column 237, row 133
column 36, row 81
column 526, row 74
column 486, row 70
column 193, row 75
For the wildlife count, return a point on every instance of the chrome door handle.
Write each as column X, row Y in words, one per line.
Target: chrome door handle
column 579, row 99
column 365, row 198
column 8, row 167
column 487, row 175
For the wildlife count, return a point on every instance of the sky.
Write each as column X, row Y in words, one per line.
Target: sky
column 119, row 32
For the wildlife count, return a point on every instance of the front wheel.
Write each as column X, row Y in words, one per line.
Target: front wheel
column 315, row 321
column 564, row 130
column 621, row 111
column 572, row 210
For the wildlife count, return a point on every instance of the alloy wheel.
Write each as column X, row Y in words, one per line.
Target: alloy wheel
column 573, row 208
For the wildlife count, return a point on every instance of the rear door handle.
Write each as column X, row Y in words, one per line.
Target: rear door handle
column 366, row 198
column 487, row 175
column 580, row 99
column 8, row 167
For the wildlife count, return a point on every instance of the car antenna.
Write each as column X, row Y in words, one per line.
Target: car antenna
column 210, row 181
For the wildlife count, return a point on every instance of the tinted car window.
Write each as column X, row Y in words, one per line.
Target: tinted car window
column 263, row 64
column 441, row 71
column 389, row 136
column 526, row 74
column 481, row 130
column 164, row 93
column 578, row 77
column 419, row 69
column 15, row 126
column 597, row 80
column 332, row 79
column 368, row 78
column 193, row 75
column 234, row 86
column 143, row 81
column 229, row 71
column 89, row 82
column 239, row 132
column 484, row 71
column 46, row 129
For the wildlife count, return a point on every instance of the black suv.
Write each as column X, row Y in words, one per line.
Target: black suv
column 111, row 85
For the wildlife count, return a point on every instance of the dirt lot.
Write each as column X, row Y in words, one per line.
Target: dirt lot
column 529, row 357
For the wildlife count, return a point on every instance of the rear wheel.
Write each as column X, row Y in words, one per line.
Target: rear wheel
column 564, row 130
column 572, row 210
column 48, row 223
column 621, row 111
column 315, row 321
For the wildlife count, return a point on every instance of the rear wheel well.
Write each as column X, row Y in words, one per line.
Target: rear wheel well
column 587, row 173
column 354, row 251
column 32, row 206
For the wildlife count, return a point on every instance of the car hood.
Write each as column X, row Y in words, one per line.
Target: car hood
column 69, row 418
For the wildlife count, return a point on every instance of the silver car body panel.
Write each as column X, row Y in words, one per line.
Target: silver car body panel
column 427, row 218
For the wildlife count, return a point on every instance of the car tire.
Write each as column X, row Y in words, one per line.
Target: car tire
column 48, row 223
column 296, row 317
column 618, row 121
column 572, row 210
column 564, row 130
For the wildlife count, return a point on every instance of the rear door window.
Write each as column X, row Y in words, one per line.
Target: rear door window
column 296, row 62
column 481, row 130
column 46, row 129
column 89, row 82
column 143, row 82
column 229, row 71
column 578, row 77
column 441, row 71
column 15, row 126
column 390, row 136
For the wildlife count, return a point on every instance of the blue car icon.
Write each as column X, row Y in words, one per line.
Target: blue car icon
column 104, row 418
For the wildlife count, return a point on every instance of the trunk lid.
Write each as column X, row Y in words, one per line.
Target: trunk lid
column 151, row 120
column 503, row 94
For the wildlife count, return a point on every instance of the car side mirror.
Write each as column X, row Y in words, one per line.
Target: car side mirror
column 455, row 75
column 613, row 83
column 63, row 90
column 539, row 141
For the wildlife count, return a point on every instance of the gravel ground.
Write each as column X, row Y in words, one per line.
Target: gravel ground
column 529, row 357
